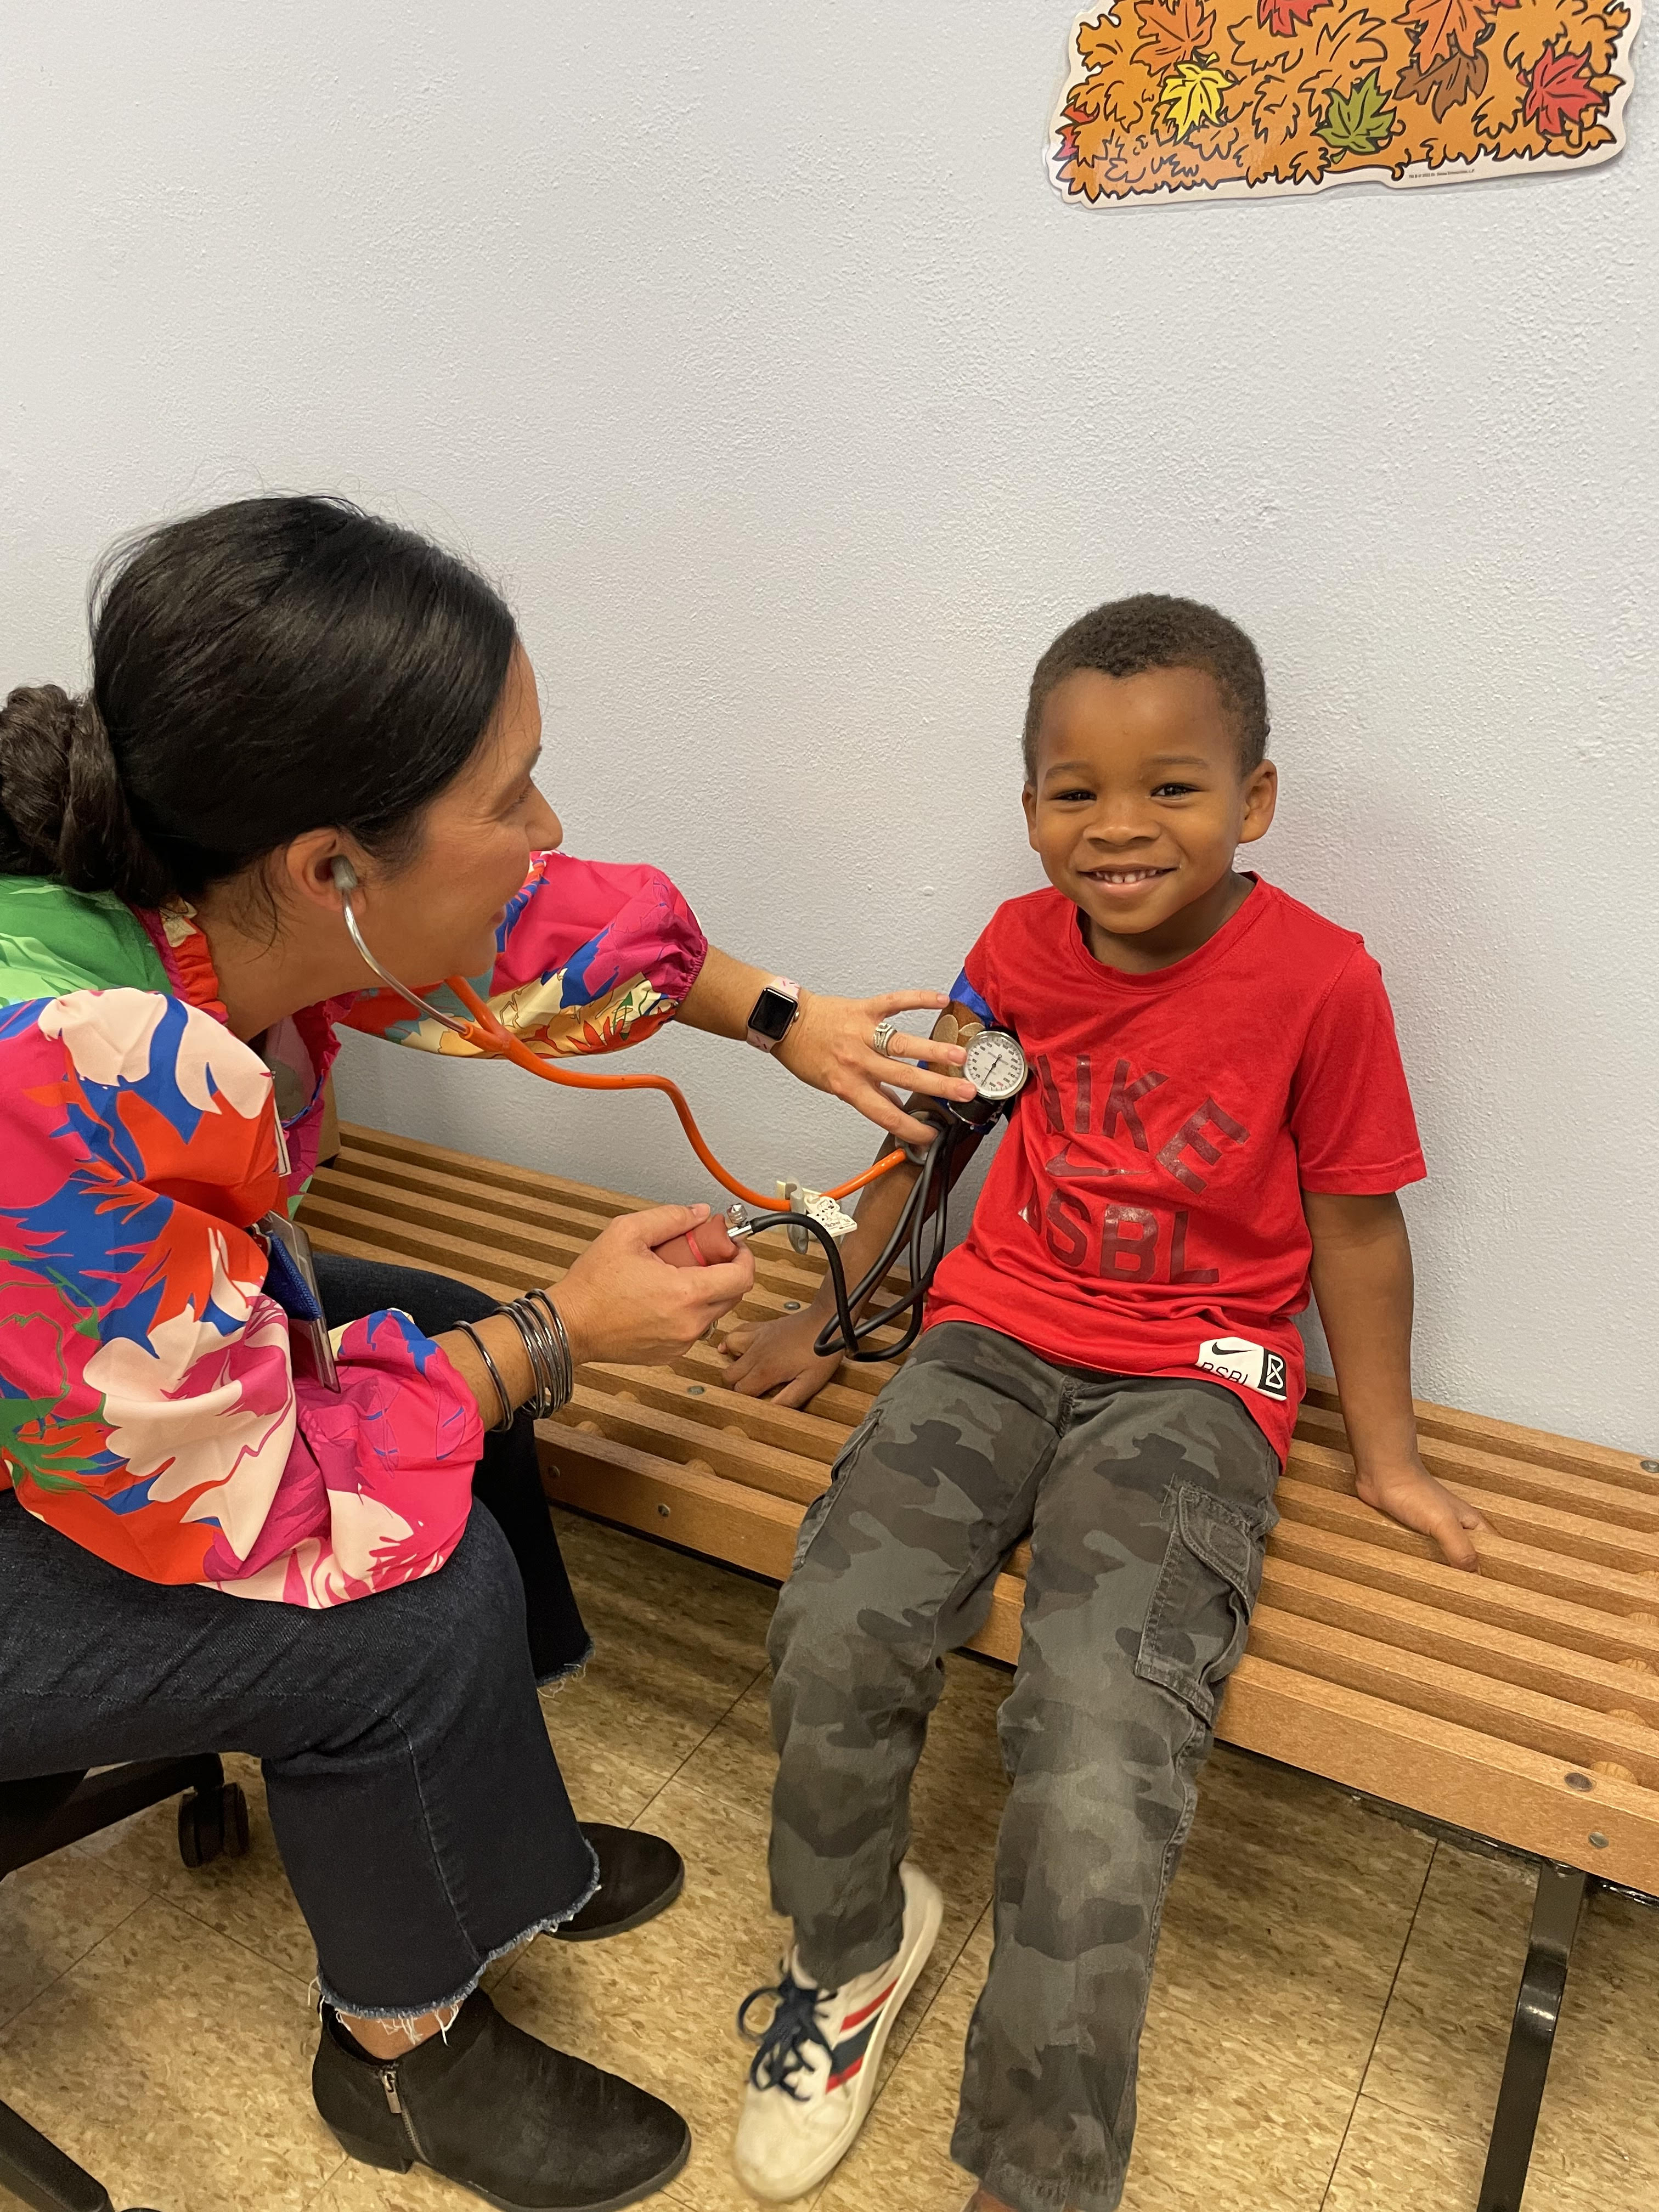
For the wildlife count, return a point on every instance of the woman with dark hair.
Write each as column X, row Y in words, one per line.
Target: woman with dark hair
column 236, row 1506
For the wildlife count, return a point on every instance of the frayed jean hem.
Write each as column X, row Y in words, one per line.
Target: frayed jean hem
column 573, row 1672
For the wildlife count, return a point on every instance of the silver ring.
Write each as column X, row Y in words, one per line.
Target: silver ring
column 883, row 1040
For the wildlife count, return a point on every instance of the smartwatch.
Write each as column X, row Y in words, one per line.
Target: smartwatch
column 774, row 1014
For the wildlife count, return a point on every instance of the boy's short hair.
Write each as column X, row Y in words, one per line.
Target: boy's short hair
column 1152, row 631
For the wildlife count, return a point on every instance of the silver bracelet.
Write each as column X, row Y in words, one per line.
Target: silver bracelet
column 533, row 1336
column 555, row 1322
column 555, row 1347
column 547, row 1347
column 495, row 1372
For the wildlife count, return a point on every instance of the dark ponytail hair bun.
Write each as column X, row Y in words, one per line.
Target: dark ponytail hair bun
column 272, row 666
column 63, row 811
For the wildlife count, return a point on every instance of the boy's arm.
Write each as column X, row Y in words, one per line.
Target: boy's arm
column 777, row 1356
column 1362, row 1278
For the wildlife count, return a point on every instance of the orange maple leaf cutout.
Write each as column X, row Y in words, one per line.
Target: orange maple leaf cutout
column 1175, row 30
column 1559, row 92
column 1284, row 18
column 1444, row 25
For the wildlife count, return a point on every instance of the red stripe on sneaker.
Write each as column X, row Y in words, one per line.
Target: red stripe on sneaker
column 857, row 2019
column 846, row 2074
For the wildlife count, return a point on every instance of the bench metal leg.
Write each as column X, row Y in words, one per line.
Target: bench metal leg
column 1537, row 2009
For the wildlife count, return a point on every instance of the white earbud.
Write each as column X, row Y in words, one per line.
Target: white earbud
column 345, row 875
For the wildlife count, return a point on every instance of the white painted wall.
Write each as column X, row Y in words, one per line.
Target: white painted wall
column 752, row 347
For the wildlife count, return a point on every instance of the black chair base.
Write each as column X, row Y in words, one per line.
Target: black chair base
column 41, row 1815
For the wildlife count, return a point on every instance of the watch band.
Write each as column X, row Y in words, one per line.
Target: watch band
column 781, row 987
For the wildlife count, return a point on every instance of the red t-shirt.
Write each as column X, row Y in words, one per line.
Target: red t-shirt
column 1143, row 1215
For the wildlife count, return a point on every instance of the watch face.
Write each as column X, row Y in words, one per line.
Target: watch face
column 995, row 1066
column 774, row 1011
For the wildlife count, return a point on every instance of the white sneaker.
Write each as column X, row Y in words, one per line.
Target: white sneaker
column 814, row 2077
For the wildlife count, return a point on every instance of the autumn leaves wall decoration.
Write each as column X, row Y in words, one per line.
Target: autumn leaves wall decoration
column 1222, row 97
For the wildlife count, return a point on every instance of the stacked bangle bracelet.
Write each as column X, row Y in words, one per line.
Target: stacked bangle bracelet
column 538, row 1322
column 547, row 1347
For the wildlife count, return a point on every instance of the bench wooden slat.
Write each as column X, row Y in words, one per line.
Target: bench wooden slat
column 1537, row 1447
column 1563, row 1623
column 808, row 1434
column 1560, row 1536
column 1466, row 1697
column 1572, row 1733
column 1629, row 1685
column 1498, row 1789
column 483, row 1172
column 624, row 1419
column 529, row 1228
column 333, row 1211
column 1462, row 1465
column 705, row 1512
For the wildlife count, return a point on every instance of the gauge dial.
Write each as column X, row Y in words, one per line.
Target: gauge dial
column 995, row 1066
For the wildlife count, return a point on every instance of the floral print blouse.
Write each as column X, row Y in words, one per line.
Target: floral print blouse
column 149, row 1407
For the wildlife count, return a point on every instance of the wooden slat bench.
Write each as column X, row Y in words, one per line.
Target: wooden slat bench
column 1521, row 1707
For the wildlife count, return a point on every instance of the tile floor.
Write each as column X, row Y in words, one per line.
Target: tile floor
column 1326, row 2034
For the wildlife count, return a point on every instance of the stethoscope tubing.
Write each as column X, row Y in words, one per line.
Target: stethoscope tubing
column 930, row 1195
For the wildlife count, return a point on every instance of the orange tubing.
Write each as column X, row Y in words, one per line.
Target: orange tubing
column 488, row 1035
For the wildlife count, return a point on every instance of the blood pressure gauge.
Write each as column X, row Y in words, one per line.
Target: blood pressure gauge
column 996, row 1068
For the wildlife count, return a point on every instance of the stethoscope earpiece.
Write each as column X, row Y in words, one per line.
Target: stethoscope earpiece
column 345, row 875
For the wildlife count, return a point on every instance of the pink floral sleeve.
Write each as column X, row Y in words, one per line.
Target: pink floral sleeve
column 592, row 956
column 148, row 1407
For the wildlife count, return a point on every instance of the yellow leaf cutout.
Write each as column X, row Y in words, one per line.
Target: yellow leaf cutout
column 1193, row 92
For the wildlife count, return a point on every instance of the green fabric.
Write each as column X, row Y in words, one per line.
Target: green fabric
column 53, row 939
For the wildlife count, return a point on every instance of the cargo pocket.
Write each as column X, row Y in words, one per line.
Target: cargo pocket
column 1201, row 1611
column 813, row 1519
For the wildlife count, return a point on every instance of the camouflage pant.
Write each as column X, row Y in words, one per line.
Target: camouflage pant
column 1147, row 1502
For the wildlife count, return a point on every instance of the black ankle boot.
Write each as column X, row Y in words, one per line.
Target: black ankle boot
column 522, row 2125
column 640, row 1876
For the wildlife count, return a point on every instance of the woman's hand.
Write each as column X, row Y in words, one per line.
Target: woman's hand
column 780, row 1352
column 619, row 1301
column 831, row 1046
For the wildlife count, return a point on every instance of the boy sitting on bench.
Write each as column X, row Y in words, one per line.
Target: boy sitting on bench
column 1216, row 1115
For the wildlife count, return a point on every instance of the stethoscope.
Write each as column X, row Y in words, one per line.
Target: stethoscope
column 995, row 1066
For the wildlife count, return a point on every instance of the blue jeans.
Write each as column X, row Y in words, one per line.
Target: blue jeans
column 414, row 1797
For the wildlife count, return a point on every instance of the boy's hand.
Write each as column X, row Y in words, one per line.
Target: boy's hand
column 777, row 1356
column 1409, row 1494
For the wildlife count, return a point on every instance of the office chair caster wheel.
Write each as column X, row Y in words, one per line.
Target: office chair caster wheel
column 212, row 1822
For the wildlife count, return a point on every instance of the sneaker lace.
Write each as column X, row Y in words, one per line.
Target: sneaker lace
column 789, row 2036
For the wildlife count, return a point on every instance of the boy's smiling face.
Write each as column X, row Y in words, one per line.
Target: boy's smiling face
column 1138, row 804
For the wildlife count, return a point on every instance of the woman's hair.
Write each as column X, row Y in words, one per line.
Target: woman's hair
column 1126, row 636
column 272, row 666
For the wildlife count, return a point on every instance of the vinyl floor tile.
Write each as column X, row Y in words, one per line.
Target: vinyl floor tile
column 1286, row 1921
column 175, row 2065
column 1398, row 2161
column 162, row 2030
column 1406, row 2161
column 1448, row 2021
column 1605, row 2062
column 1440, row 2055
column 676, row 1642
column 247, row 1898
column 52, row 1914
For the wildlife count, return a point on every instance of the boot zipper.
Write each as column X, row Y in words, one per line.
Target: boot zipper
column 389, row 2083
